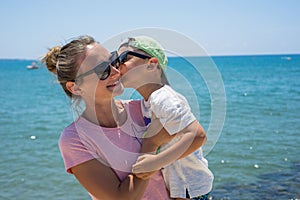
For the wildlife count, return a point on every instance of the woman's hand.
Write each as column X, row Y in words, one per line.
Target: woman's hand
column 145, row 176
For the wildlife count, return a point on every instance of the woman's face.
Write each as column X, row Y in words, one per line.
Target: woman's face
column 133, row 70
column 91, row 85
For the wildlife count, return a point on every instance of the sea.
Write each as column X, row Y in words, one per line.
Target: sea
column 249, row 106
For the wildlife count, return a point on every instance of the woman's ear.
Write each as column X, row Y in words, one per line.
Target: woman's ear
column 73, row 88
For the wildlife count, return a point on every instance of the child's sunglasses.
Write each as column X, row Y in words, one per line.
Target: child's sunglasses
column 123, row 56
column 103, row 69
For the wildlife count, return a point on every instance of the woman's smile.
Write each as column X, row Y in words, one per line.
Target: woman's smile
column 116, row 83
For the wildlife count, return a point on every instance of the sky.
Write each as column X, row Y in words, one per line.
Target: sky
column 220, row 27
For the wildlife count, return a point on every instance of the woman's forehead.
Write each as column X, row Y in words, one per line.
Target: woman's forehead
column 95, row 54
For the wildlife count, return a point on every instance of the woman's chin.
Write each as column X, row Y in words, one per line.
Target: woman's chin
column 117, row 89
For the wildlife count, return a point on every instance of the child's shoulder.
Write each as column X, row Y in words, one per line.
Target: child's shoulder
column 166, row 95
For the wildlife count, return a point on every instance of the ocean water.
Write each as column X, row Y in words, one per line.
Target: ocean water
column 256, row 155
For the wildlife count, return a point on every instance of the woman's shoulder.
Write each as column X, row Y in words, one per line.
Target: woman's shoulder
column 134, row 110
column 131, row 105
column 72, row 149
column 130, row 102
column 70, row 140
column 68, row 135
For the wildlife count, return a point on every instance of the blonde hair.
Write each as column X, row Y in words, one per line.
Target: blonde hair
column 65, row 61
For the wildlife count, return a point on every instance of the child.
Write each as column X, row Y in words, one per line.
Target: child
column 143, row 65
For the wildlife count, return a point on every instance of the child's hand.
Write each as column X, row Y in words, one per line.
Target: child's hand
column 146, row 163
column 144, row 176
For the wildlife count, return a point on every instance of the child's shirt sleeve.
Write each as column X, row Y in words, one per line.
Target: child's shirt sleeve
column 172, row 109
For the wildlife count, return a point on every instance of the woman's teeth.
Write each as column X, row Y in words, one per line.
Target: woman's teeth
column 114, row 84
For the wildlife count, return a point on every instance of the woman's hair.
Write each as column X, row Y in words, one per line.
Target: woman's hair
column 65, row 61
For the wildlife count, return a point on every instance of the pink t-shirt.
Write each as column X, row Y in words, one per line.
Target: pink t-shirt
column 117, row 147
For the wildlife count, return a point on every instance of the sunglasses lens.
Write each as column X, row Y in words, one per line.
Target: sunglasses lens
column 104, row 75
column 123, row 58
column 115, row 63
column 114, row 58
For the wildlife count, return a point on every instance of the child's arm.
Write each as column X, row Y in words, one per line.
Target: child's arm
column 191, row 138
column 199, row 138
column 155, row 136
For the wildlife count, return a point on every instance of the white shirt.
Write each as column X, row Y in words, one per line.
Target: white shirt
column 191, row 172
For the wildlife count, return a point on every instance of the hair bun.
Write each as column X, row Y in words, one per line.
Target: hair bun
column 51, row 58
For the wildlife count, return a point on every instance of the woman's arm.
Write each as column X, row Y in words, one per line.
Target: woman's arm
column 100, row 180
column 192, row 137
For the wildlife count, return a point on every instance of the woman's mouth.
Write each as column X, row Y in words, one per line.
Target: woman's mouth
column 114, row 84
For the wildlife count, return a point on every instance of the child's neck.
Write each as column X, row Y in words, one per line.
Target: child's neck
column 148, row 89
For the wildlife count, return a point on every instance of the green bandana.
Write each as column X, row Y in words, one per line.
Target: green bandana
column 151, row 47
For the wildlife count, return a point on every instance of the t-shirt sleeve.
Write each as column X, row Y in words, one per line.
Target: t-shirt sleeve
column 72, row 149
column 173, row 111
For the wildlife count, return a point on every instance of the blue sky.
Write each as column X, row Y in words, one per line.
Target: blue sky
column 221, row 27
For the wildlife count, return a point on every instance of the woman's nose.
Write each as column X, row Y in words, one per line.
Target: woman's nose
column 115, row 72
column 122, row 69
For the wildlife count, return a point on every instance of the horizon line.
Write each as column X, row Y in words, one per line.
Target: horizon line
column 214, row 55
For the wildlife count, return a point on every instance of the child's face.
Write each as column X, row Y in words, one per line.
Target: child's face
column 133, row 70
column 131, row 61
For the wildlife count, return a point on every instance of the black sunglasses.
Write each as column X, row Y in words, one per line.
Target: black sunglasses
column 123, row 56
column 103, row 69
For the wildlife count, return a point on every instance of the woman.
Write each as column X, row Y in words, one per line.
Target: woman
column 101, row 145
